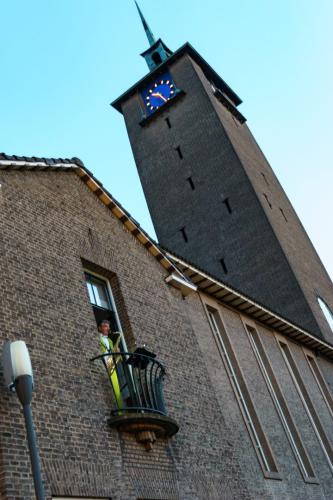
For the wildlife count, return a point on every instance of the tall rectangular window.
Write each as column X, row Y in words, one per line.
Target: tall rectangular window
column 259, row 440
column 101, row 300
column 167, row 120
column 180, row 153
column 305, row 398
column 227, row 204
column 224, row 266
column 184, row 234
column 326, row 393
column 281, row 406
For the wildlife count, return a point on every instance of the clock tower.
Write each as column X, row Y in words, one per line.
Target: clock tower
column 213, row 198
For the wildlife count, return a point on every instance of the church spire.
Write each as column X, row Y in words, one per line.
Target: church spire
column 149, row 33
column 158, row 52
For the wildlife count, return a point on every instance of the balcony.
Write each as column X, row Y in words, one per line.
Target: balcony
column 137, row 383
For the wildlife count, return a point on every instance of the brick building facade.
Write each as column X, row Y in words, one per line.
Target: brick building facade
column 57, row 221
column 247, row 409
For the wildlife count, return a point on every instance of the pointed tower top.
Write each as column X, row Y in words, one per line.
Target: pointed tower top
column 158, row 52
column 149, row 33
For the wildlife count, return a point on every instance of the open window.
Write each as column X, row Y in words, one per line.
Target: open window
column 101, row 300
column 103, row 305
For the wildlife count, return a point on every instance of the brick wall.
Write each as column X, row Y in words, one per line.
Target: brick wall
column 292, row 484
column 301, row 255
column 52, row 226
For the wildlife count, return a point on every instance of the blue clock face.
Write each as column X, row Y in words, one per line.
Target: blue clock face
column 159, row 93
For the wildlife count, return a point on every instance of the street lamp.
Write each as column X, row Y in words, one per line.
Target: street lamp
column 18, row 377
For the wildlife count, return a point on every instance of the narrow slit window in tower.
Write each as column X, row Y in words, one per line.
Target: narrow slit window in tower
column 265, row 178
column 284, row 215
column 182, row 230
column 156, row 58
column 269, row 203
column 224, row 266
column 168, row 122
column 227, row 204
column 179, row 151
column 191, row 183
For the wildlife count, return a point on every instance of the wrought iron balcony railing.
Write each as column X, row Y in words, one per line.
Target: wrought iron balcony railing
column 136, row 381
column 137, row 384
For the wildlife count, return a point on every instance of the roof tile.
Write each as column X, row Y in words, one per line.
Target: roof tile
column 37, row 159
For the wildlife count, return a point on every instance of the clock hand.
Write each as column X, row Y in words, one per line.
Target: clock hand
column 158, row 94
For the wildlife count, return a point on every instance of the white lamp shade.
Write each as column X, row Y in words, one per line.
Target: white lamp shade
column 21, row 363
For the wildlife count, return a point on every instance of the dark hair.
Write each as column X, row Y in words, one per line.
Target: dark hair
column 104, row 321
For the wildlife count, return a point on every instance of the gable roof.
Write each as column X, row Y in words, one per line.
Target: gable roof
column 76, row 165
column 37, row 163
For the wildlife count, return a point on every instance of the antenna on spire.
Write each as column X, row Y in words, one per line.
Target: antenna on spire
column 149, row 33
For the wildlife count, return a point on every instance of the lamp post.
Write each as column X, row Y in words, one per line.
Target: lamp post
column 19, row 378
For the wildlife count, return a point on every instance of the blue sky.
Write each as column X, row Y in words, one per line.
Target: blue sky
column 64, row 61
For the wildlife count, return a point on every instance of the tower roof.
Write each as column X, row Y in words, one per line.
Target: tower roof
column 149, row 33
column 157, row 52
column 185, row 49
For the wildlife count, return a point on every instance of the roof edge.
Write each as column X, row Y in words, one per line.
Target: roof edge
column 269, row 318
column 75, row 164
column 186, row 48
column 154, row 46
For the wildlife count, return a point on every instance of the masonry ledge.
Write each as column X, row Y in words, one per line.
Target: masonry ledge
column 147, row 427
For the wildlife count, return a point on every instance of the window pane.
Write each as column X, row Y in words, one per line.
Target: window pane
column 91, row 293
column 101, row 295
column 327, row 312
column 98, row 292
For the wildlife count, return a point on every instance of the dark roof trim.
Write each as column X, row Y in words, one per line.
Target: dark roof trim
column 33, row 163
column 207, row 69
column 46, row 161
column 153, row 47
column 229, row 105
column 258, row 312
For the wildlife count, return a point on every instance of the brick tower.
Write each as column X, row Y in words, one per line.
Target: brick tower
column 212, row 196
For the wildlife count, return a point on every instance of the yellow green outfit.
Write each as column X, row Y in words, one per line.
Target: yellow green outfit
column 106, row 345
